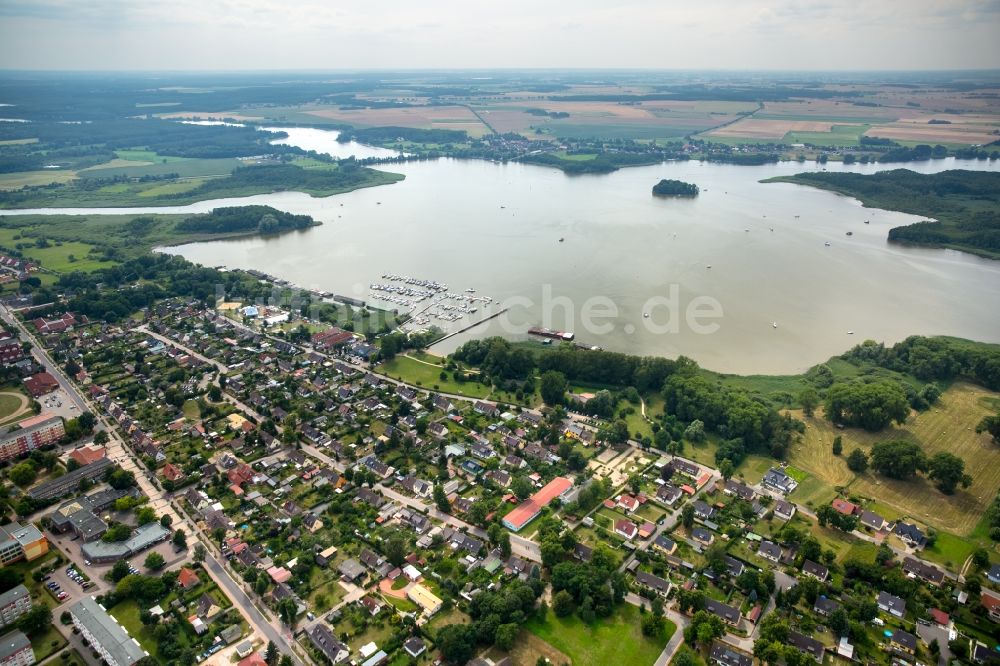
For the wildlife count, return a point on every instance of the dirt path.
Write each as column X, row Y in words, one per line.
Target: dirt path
column 385, row 587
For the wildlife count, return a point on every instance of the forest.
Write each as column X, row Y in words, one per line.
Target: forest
column 262, row 219
column 965, row 204
column 675, row 188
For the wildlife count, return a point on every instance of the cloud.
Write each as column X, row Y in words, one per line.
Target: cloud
column 271, row 34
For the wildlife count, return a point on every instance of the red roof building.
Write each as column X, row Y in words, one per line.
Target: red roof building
column 626, row 528
column 187, row 578
column 940, row 617
column 171, row 472
column 529, row 509
column 87, row 454
column 40, row 384
column 844, row 507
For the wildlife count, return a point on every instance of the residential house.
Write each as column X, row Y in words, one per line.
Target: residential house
column 703, row 536
column 626, row 528
column 653, row 583
column 723, row 654
column 817, row 571
column 727, row 614
column 910, row 535
column 769, row 551
column 891, row 604
column 784, row 510
column 872, row 520
column 806, row 645
column 779, row 480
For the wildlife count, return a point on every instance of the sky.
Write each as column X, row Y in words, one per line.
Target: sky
column 430, row 34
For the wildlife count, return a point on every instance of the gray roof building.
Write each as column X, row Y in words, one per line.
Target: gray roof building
column 105, row 634
column 13, row 644
column 145, row 536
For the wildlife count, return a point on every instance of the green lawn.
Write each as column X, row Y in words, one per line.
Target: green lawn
column 427, row 376
column 614, row 640
column 950, row 550
column 48, row 643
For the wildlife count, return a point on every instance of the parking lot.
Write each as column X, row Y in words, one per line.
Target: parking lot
column 59, row 403
column 66, row 585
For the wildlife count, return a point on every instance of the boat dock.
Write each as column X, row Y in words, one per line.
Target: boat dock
column 470, row 326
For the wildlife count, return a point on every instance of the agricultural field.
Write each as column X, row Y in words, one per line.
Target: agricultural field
column 948, row 426
column 17, row 180
column 425, row 117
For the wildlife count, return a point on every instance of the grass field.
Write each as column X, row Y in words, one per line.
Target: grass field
column 948, row 426
column 10, row 404
column 614, row 640
column 427, row 376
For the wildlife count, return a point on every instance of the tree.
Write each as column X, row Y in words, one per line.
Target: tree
column 23, row 474
column 553, row 387
column 271, row 654
column 991, row 425
column 101, row 437
column 522, row 487
column 288, row 610
column 563, row 604
column 154, row 561
column 695, row 432
column 119, row 570
column 898, row 459
column 199, row 553
column 857, row 461
column 457, row 643
column 180, row 539
column 981, row 558
column 395, row 549
column 726, row 468
column 652, row 625
column 870, row 406
column 809, row 400
column 441, row 499
column 86, row 421
column 285, row 661
column 165, row 520
column 687, row 516
column 144, row 515
column 948, row 471
column 506, row 634
column 36, row 620
column 704, row 628
column 838, row 445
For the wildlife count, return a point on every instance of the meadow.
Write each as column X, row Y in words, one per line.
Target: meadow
column 948, row 426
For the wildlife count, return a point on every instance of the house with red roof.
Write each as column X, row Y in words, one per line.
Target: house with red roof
column 843, row 506
column 626, row 528
column 628, row 503
column 187, row 578
column 172, row 473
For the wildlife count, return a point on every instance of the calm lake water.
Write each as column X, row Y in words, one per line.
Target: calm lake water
column 787, row 299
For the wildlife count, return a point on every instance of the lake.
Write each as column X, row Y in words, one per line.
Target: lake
column 747, row 277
